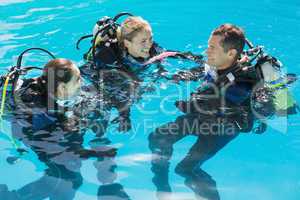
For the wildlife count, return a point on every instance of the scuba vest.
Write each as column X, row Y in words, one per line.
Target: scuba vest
column 11, row 82
column 273, row 81
column 218, row 98
column 271, row 95
column 269, row 70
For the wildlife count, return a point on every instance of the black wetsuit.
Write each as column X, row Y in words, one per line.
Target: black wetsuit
column 54, row 133
column 216, row 113
column 117, row 76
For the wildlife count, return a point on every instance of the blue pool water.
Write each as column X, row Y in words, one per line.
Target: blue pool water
column 252, row 166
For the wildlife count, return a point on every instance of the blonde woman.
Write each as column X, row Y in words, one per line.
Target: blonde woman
column 117, row 60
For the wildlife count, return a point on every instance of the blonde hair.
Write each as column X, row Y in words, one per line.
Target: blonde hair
column 131, row 27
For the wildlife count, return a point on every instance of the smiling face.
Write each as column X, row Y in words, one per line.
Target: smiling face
column 139, row 46
column 216, row 54
column 136, row 37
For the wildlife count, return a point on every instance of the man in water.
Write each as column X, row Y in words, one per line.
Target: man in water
column 216, row 113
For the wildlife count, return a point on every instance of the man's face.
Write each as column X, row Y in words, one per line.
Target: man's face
column 216, row 55
column 140, row 45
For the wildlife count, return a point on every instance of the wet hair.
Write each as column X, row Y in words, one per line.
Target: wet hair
column 131, row 27
column 59, row 71
column 233, row 37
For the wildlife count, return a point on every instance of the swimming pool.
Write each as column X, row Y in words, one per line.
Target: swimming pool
column 251, row 167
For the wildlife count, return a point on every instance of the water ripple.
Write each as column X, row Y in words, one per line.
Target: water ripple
column 26, row 36
column 8, row 2
column 5, row 49
column 5, row 26
column 7, row 37
column 52, row 32
column 35, row 10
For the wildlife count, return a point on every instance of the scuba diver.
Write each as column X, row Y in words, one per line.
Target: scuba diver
column 119, row 60
column 221, row 108
column 47, row 119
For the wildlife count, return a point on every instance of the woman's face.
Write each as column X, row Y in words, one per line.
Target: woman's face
column 139, row 46
column 69, row 89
